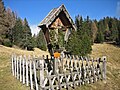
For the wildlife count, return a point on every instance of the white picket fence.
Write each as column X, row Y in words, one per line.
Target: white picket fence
column 65, row 72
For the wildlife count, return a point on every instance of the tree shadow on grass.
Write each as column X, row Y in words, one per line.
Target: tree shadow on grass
column 114, row 43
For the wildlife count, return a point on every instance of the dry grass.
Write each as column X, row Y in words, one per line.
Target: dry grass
column 8, row 82
column 113, row 67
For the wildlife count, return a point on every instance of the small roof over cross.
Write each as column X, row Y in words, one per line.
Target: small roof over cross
column 63, row 15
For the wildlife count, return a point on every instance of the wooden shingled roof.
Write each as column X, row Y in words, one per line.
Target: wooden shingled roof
column 52, row 16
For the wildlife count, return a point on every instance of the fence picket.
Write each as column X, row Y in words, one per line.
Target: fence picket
column 104, row 67
column 20, row 69
column 35, row 77
column 13, row 56
column 23, row 67
column 17, row 68
column 31, row 82
column 27, row 81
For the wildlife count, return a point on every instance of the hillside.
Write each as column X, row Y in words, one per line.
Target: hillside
column 7, row 81
column 113, row 67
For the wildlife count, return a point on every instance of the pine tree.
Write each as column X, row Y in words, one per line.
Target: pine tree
column 40, row 41
column 18, row 32
column 79, row 42
column 3, row 24
column 73, row 44
column 107, row 33
column 11, row 20
column 118, row 27
column 27, row 40
column 86, row 44
column 100, row 37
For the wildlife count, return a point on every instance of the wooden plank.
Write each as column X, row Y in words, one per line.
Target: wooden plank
column 50, row 82
column 104, row 67
column 23, row 66
column 67, row 86
column 59, row 83
column 35, row 76
column 31, row 82
column 27, row 80
column 12, row 60
column 17, row 67
column 79, row 76
column 20, row 69
column 42, row 73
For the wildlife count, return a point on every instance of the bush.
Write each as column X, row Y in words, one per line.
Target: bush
column 100, row 37
column 7, row 43
column 42, row 47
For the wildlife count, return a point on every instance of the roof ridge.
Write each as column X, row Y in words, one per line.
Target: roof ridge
column 47, row 14
column 42, row 22
column 54, row 13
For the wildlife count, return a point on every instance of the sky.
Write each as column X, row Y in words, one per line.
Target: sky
column 36, row 10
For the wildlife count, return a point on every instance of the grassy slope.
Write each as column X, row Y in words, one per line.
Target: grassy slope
column 7, row 81
column 113, row 67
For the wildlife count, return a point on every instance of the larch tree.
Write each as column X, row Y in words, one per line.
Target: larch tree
column 94, row 31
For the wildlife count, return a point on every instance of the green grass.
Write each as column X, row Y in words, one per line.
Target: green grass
column 8, row 82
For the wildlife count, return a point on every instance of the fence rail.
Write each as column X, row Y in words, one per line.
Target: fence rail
column 65, row 72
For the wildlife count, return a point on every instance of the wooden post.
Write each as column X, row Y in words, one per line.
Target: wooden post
column 13, row 56
column 59, row 83
column 35, row 76
column 62, row 56
column 54, row 66
column 17, row 67
column 31, row 82
column 104, row 67
column 79, row 76
column 20, row 69
column 23, row 64
column 27, row 81
column 50, row 82
column 41, row 74
column 66, row 81
column 71, row 64
column 73, row 79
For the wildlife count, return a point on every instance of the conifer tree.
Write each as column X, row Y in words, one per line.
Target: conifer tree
column 3, row 24
column 18, row 32
column 73, row 44
column 40, row 41
column 100, row 37
column 27, row 42
column 79, row 42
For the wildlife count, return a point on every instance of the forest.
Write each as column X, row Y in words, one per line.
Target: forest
column 16, row 32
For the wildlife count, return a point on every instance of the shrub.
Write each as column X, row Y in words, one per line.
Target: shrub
column 7, row 43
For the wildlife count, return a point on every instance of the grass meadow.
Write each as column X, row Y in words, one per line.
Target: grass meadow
column 8, row 82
